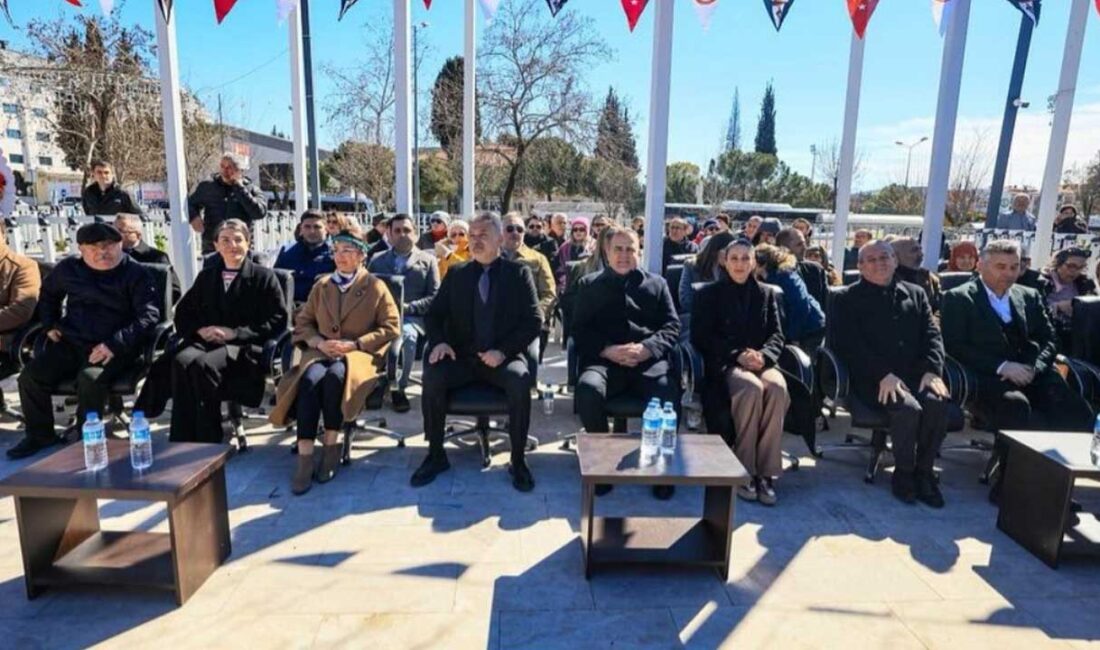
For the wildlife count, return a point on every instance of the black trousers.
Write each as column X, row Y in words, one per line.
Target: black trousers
column 512, row 376
column 321, row 392
column 199, row 372
column 599, row 383
column 918, row 424
column 59, row 362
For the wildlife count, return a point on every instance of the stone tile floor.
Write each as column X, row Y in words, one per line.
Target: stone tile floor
column 367, row 561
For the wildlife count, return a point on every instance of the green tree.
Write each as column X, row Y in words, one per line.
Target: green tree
column 553, row 166
column 437, row 182
column 732, row 139
column 614, row 133
column 612, row 183
column 365, row 168
column 894, row 199
column 765, row 127
column 681, row 179
column 447, row 109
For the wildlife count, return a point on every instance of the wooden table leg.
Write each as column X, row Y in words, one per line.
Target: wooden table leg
column 588, row 495
column 48, row 529
column 1035, row 502
column 718, row 504
column 200, row 534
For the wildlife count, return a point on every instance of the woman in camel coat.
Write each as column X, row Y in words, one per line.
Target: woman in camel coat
column 345, row 328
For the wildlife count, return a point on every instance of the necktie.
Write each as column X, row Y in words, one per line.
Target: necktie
column 483, row 286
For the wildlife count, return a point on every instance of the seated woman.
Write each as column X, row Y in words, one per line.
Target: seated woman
column 803, row 317
column 458, row 246
column 222, row 322
column 736, row 328
column 577, row 247
column 964, row 257
column 346, row 327
column 821, row 256
column 593, row 263
column 1065, row 279
column 707, row 266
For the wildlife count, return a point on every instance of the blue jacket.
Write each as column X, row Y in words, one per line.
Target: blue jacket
column 306, row 265
column 802, row 315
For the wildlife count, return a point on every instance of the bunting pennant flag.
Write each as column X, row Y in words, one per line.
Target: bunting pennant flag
column 283, row 9
column 860, row 11
column 222, row 7
column 344, row 6
column 427, row 4
column 489, row 7
column 165, row 9
column 107, row 6
column 75, row 3
column 1029, row 8
column 1098, row 6
column 7, row 14
column 704, row 9
column 941, row 13
column 777, row 11
column 556, row 5
column 633, row 9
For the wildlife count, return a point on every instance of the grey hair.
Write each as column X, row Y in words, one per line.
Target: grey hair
column 236, row 225
column 513, row 216
column 132, row 219
column 1001, row 246
column 461, row 224
column 877, row 243
column 237, row 160
column 491, row 218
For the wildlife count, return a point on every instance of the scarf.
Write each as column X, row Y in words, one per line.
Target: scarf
column 342, row 280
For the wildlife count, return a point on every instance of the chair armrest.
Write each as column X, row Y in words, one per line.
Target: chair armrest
column 961, row 381
column 688, row 355
column 273, row 353
column 22, row 343
column 158, row 342
column 1085, row 375
column 832, row 376
column 796, row 363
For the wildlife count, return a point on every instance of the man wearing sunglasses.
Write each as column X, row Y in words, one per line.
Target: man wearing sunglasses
column 514, row 249
column 438, row 221
column 536, row 238
column 676, row 242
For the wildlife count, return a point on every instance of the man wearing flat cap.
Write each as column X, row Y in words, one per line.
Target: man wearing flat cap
column 110, row 308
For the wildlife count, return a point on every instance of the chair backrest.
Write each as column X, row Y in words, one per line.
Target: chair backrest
column 286, row 283
column 850, row 277
column 396, row 285
column 672, row 277
column 162, row 281
column 953, row 279
column 1085, row 343
column 45, row 268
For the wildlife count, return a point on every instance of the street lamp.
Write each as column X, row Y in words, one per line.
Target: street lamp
column 909, row 158
column 813, row 162
column 416, row 124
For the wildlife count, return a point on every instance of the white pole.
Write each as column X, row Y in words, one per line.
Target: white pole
column 1059, row 131
column 943, row 138
column 297, row 112
column 848, row 148
column 176, row 188
column 469, row 109
column 659, row 88
column 402, row 29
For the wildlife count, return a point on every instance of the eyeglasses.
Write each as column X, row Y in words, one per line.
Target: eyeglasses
column 535, row 226
column 1074, row 266
column 458, row 235
column 436, row 221
column 512, row 229
column 580, row 230
column 712, row 228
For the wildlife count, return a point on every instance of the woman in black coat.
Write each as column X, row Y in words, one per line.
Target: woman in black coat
column 223, row 321
column 736, row 326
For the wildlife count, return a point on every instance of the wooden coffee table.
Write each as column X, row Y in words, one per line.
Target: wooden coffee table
column 55, row 503
column 1040, row 470
column 699, row 460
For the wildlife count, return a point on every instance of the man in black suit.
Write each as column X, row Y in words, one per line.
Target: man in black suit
column 812, row 273
column 481, row 323
column 884, row 332
column 910, row 258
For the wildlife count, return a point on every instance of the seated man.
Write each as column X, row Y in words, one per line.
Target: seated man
column 111, row 307
column 480, row 324
column 812, row 274
column 884, row 332
column 20, row 284
column 676, row 242
column 420, row 271
column 130, row 227
column 910, row 257
column 625, row 328
column 516, row 250
column 309, row 257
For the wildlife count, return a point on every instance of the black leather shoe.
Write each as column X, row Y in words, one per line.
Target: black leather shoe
column 432, row 466
column 400, row 401
column 603, row 488
column 522, row 479
column 29, row 446
column 664, row 492
column 374, row 400
column 904, row 487
column 928, row 491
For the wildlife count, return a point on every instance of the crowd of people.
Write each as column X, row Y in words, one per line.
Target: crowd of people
column 479, row 295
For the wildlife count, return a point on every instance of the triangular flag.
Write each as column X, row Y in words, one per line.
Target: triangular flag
column 427, row 4
column 222, row 7
column 344, row 6
column 704, row 9
column 556, row 5
column 941, row 13
column 165, row 9
column 633, row 9
column 283, row 9
column 7, row 14
column 107, row 6
column 860, row 11
column 777, row 11
column 1030, row 8
column 489, row 7
column 75, row 3
column 1098, row 6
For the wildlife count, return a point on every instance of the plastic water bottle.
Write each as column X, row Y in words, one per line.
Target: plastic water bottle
column 1094, row 451
column 668, row 430
column 141, row 443
column 95, row 442
column 651, row 433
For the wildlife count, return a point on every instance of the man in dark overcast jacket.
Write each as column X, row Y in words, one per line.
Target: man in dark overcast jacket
column 226, row 195
column 104, row 198
column 812, row 274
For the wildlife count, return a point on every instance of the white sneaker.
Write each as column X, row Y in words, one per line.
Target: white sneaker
column 766, row 490
column 747, row 491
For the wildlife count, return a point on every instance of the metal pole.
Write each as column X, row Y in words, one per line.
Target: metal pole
column 469, row 108
column 1059, row 131
column 1008, row 124
column 415, row 129
column 402, row 192
column 848, row 147
column 908, row 165
column 297, row 101
column 172, row 113
column 311, row 121
column 943, row 137
column 659, row 84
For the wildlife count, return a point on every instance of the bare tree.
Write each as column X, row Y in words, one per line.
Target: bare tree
column 828, row 161
column 531, row 74
column 970, row 168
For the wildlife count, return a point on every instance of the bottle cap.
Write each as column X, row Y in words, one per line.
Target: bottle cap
column 139, row 414
column 91, row 416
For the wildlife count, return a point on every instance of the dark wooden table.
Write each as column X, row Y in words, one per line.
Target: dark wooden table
column 1041, row 469
column 699, row 460
column 55, row 503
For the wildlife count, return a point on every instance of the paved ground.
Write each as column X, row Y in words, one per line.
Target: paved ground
column 367, row 561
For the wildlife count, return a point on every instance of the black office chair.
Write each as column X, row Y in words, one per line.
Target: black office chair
column 20, row 349
column 482, row 402
column 672, row 276
column 952, row 279
column 850, row 277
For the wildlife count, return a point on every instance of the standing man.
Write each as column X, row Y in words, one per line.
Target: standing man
column 309, row 257
column 1018, row 218
column 420, row 271
column 910, row 256
column 812, row 273
column 104, row 198
column 851, row 255
column 884, row 332
column 480, row 324
column 676, row 242
column 229, row 194
column 514, row 249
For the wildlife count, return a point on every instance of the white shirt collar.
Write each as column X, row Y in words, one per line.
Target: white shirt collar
column 1001, row 306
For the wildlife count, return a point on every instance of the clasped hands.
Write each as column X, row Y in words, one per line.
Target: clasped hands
column 216, row 334
column 491, row 358
column 1016, row 373
column 627, row 354
column 100, row 354
column 334, row 349
column 752, row 360
column 892, row 389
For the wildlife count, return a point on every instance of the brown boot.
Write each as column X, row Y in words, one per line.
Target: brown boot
column 330, row 461
column 303, row 475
